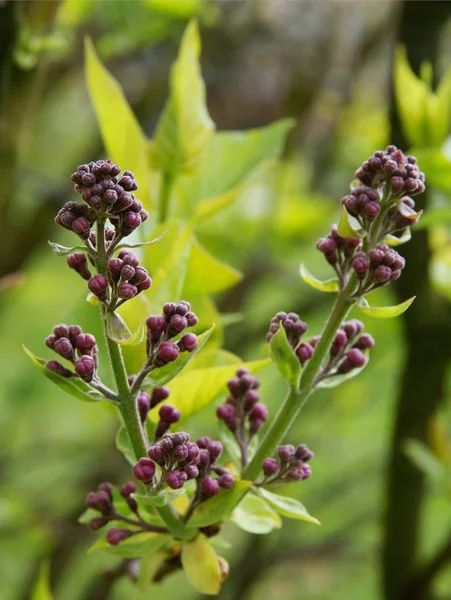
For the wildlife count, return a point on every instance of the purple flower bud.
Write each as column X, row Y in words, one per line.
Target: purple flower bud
column 270, row 466
column 168, row 352
column 326, row 245
column 156, row 323
column 143, row 403
column 169, row 413
column 304, row 453
column 63, row 347
column 250, row 399
column 365, row 342
column 131, row 221
column 85, row 342
column 107, row 488
column 360, row 265
column 79, row 263
column 100, row 501
column 215, row 450
column 225, row 411
column 188, row 342
column 116, row 536
column 192, row 472
column 355, row 356
column 61, row 331
column 127, row 272
column 376, row 257
column 259, row 412
column 304, row 352
column 180, row 452
column 307, row 471
column 176, row 479
column 50, row 341
column 286, row 452
column 182, row 308
column 382, row 273
column 58, row 368
column 81, row 227
column 177, row 324
column 144, row 284
column 191, row 319
column 226, row 481
column 158, row 395
column 156, row 453
column 127, row 290
column 129, row 258
column 98, row 285
column 98, row 523
column 234, row 387
column 169, row 309
column 144, row 470
column 193, row 451
column 85, row 367
column 371, row 210
column 127, row 489
column 209, row 487
column 204, row 457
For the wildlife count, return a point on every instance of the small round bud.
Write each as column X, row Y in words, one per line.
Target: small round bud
column 365, row 342
column 270, row 466
column 85, row 367
column 356, row 358
column 127, row 290
column 226, row 481
column 98, row 285
column 259, row 412
column 169, row 414
column 116, row 536
column 286, row 452
column 63, row 347
column 180, row 452
column 156, row 453
column 191, row 318
column 144, row 470
column 81, row 227
column 250, row 399
column 58, row 368
column 215, row 450
column 382, row 273
column 304, row 352
column 178, row 323
column 188, row 342
column 156, row 323
column 98, row 523
column 85, row 342
column 304, row 453
column 209, row 487
column 168, row 352
column 192, row 472
column 176, row 479
column 127, row 489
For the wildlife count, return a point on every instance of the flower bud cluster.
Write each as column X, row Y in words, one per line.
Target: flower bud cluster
column 161, row 329
column 104, row 194
column 180, row 460
column 381, row 266
column 393, row 168
column 290, row 465
column 76, row 347
column 338, row 251
column 295, row 329
column 243, row 413
column 347, row 351
column 125, row 279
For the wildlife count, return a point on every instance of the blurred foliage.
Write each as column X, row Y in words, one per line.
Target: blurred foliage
column 54, row 448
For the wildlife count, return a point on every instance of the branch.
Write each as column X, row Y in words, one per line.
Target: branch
column 419, row 586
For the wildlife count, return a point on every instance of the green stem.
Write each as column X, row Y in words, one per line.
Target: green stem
column 127, row 402
column 296, row 398
column 167, row 182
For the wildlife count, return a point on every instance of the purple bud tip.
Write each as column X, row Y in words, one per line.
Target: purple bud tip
column 144, row 470
column 63, row 347
column 58, row 368
column 127, row 489
column 259, row 413
column 127, row 291
column 304, row 453
column 209, row 487
column 192, row 472
column 188, row 342
column 226, row 481
column 178, row 323
column 365, row 342
column 156, row 453
column 156, row 323
column 168, row 352
column 356, row 358
column 304, row 352
column 84, row 367
column 116, row 536
column 98, row 285
column 176, row 479
column 215, row 450
column 169, row 414
column 85, row 342
column 286, row 452
column 97, row 523
column 270, row 466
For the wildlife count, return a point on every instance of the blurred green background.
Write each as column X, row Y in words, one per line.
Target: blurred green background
column 385, row 512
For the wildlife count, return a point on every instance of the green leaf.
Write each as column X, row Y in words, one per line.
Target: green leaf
column 220, row 506
column 254, row 515
column 345, row 229
column 87, row 515
column 284, row 357
column 230, row 443
column 41, row 589
column 197, row 388
column 162, row 498
column 214, row 187
column 72, row 385
column 201, row 566
column 220, row 276
column 119, row 332
column 288, row 507
column 133, row 547
column 164, row 375
column 185, row 128
column 124, row 140
column 149, row 565
column 330, row 285
column 423, row 458
column 60, row 250
column 384, row 312
column 124, row 445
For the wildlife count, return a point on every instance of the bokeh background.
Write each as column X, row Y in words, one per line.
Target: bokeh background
column 385, row 509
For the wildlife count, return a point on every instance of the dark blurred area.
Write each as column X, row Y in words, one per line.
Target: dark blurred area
column 386, row 527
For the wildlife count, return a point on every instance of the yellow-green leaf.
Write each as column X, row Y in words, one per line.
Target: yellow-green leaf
column 206, row 275
column 119, row 332
column 284, row 357
column 384, row 312
column 201, row 566
column 124, row 140
column 148, row 567
column 330, row 285
column 393, row 240
column 132, row 547
column 185, row 128
column 41, row 590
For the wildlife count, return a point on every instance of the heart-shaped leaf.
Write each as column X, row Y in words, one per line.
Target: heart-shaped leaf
column 345, row 229
column 284, row 357
column 201, row 566
column 133, row 547
column 119, row 332
column 218, row 507
column 254, row 515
